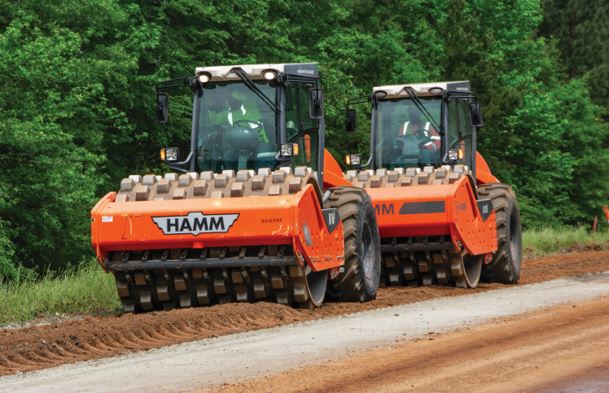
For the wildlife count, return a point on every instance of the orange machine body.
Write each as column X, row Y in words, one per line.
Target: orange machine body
column 483, row 171
column 436, row 210
column 333, row 174
column 407, row 211
column 294, row 219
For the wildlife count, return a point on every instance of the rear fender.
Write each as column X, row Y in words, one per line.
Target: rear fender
column 321, row 243
column 475, row 231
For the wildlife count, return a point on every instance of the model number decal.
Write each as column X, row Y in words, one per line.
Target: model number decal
column 195, row 223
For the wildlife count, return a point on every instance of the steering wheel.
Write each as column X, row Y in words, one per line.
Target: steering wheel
column 410, row 149
column 245, row 123
column 409, row 141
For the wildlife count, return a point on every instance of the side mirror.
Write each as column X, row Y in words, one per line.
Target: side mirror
column 350, row 122
column 162, row 107
column 316, row 104
column 474, row 108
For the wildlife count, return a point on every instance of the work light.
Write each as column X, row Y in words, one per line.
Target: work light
column 204, row 77
column 269, row 75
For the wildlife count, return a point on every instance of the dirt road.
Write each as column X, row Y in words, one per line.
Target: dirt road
column 38, row 347
column 236, row 357
column 45, row 346
column 564, row 349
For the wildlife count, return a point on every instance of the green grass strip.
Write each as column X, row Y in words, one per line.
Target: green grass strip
column 87, row 289
column 545, row 241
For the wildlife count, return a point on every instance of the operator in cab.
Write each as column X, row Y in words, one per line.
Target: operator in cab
column 233, row 108
column 408, row 141
column 239, row 130
column 422, row 130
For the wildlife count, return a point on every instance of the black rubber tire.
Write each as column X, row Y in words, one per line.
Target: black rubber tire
column 362, row 246
column 505, row 265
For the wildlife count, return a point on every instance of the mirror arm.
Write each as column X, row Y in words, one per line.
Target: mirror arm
column 366, row 164
column 358, row 100
column 176, row 82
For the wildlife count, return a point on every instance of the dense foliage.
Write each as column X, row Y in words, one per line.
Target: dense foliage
column 78, row 77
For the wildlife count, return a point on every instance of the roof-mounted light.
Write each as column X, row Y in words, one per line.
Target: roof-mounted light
column 204, row 77
column 269, row 75
column 380, row 94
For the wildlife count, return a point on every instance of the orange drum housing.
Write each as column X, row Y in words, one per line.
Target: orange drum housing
column 216, row 237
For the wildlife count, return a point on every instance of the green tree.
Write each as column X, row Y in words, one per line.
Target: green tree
column 580, row 31
column 542, row 132
column 61, row 68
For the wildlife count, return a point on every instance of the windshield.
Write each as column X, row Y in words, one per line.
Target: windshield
column 405, row 137
column 236, row 128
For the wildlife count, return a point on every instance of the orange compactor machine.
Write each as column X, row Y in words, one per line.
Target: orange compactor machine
column 258, row 210
column 443, row 216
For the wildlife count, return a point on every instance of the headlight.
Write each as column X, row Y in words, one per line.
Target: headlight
column 353, row 159
column 269, row 75
column 204, row 77
column 289, row 150
column 453, row 155
column 169, row 154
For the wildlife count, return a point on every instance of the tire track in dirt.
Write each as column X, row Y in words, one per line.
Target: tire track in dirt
column 38, row 347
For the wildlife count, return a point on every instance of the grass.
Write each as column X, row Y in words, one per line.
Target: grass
column 551, row 240
column 87, row 289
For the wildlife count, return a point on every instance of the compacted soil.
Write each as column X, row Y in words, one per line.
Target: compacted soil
column 43, row 346
column 561, row 349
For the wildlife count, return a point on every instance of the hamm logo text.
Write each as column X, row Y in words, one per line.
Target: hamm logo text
column 195, row 223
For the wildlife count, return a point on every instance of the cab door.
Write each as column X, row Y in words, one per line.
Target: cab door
column 461, row 132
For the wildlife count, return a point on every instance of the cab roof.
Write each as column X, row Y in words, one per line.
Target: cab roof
column 256, row 71
column 422, row 89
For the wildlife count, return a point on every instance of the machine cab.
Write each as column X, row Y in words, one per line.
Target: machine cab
column 425, row 124
column 255, row 116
